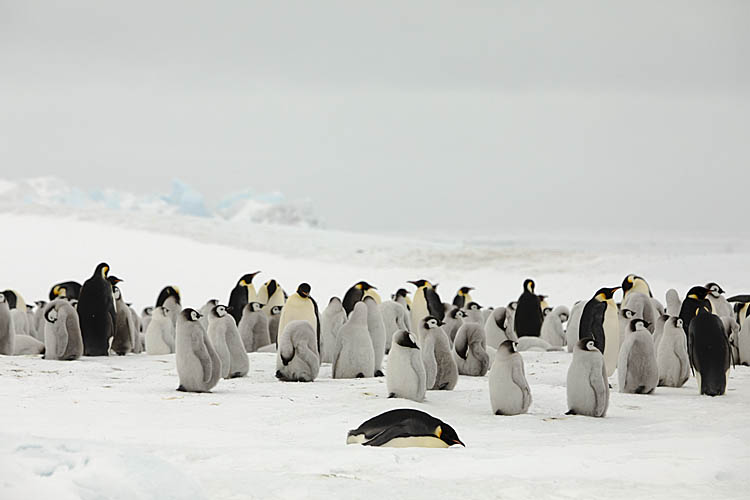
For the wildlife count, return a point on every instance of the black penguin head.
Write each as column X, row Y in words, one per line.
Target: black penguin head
column 587, row 344
column 116, row 292
column 113, row 280
column 473, row 306
column 276, row 310
column 529, row 286
column 627, row 313
column 102, row 270
column 254, row 306
column 448, row 435
column 29, row 308
column 422, row 283
column 166, row 292
column 401, row 292
column 406, row 339
column 148, row 311
column 714, row 289
column 51, row 315
column 629, row 281
column 676, row 322
column 303, row 290
column 636, row 322
column 11, row 298
column 464, row 290
column 363, row 285
column 546, row 311
column 430, row 322
column 697, row 293
column 454, row 313
column 606, row 293
column 334, row 299
column 271, row 286
column 247, row 279
column 40, row 303
column 191, row 314
column 218, row 311
column 508, row 346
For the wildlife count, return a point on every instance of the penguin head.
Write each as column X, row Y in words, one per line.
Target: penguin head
column 563, row 317
column 508, row 346
column 40, row 303
column 102, row 270
column 714, row 289
column 629, row 282
column 464, row 290
column 51, row 315
column 406, row 339
column 473, row 306
column 218, row 311
column 254, row 306
column 401, row 292
column 74, row 303
column 697, row 293
column 627, row 313
column 116, row 292
column 191, row 314
column 456, row 313
column 529, row 285
column 148, row 311
column 635, row 323
column 512, row 305
column 546, row 311
column 247, row 279
column 430, row 322
column 363, row 285
column 276, row 310
column 56, row 290
column 606, row 293
column 422, row 283
column 113, row 280
column 587, row 344
column 303, row 290
column 166, row 292
column 448, row 434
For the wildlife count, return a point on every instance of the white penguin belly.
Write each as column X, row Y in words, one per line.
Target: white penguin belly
column 416, row 442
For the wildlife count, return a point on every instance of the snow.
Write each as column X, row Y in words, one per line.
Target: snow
column 116, row 428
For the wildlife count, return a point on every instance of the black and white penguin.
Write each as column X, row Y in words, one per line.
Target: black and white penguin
column 599, row 320
column 198, row 364
column 67, row 289
column 528, row 317
column 242, row 294
column 709, row 351
column 634, row 283
column 270, row 295
column 426, row 302
column 357, row 293
column 694, row 300
column 462, row 296
column 404, row 428
column 719, row 304
column 62, row 332
column 741, row 308
column 96, row 310
column 402, row 297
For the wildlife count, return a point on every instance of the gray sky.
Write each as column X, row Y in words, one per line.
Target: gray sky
column 392, row 115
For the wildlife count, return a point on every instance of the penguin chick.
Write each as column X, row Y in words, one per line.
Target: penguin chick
column 437, row 355
column 473, row 313
column 62, row 332
column 216, row 334
column 470, row 348
column 122, row 343
column 671, row 354
column 376, row 327
column 587, row 386
column 27, row 345
column 198, row 365
column 574, row 323
column 253, row 327
column 552, row 326
column 395, row 318
column 170, row 299
column 454, row 318
column 496, row 328
column 332, row 319
column 7, row 329
column 274, row 315
column 354, row 356
column 643, row 307
column 224, row 335
column 297, row 359
column 406, row 377
column 536, row 344
column 205, row 311
column 146, row 317
column 160, row 333
column 674, row 304
column 509, row 390
column 638, row 372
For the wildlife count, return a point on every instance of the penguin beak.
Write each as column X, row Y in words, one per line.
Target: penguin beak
column 458, row 441
column 229, row 308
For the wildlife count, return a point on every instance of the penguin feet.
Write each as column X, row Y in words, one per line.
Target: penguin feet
column 379, row 373
column 570, row 412
column 498, row 412
column 392, row 395
column 360, row 375
column 280, row 375
column 181, row 389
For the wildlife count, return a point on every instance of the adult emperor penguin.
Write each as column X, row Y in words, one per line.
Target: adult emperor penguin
column 160, row 333
column 253, row 327
column 426, row 302
column 198, row 364
column 587, row 386
column 741, row 308
column 574, row 324
column 404, row 428
column 440, row 366
column 470, row 348
column 358, row 292
column 7, row 330
column 122, row 341
column 223, row 333
column 406, row 377
column 301, row 306
column 242, row 294
column 462, row 296
column 719, row 304
column 96, row 310
column 671, row 354
column 637, row 370
column 271, row 294
column 552, row 327
column 332, row 319
column 509, row 390
column 694, row 301
column 709, row 352
column 354, row 355
column 297, row 359
column 599, row 320
column 274, row 315
column 62, row 332
column 376, row 327
column 634, row 283
column 67, row 289
column 528, row 317
column 395, row 318
column 170, row 298
column 453, row 321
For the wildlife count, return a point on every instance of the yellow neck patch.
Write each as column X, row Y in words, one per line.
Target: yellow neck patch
column 438, row 431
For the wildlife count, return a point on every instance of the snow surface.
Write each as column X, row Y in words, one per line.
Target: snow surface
column 116, row 427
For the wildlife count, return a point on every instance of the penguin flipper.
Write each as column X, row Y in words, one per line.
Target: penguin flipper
column 434, row 304
column 461, row 346
column 519, row 378
column 596, row 382
column 388, row 434
column 201, row 352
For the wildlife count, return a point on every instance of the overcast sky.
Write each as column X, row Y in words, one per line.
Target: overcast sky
column 392, row 115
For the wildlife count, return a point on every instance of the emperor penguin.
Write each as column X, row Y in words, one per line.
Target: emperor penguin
column 31, row 321
column 574, row 323
column 624, row 316
column 67, row 289
column 402, row 297
column 136, row 332
column 406, row 377
column 7, row 329
column 709, row 351
column 358, row 292
column 694, row 301
column 426, row 302
column 528, row 315
column 242, row 294
column 39, row 316
column 271, row 294
column 462, row 297
column 587, row 386
column 635, row 284
column 404, row 428
column 198, row 364
column 743, row 345
column 637, row 372
column 376, row 327
column 599, row 320
column 671, row 354
column 658, row 329
column 332, row 319
column 274, row 315
column 122, row 342
column 552, row 326
column 474, row 314
column 643, row 306
column 354, row 356
column 169, row 297
column 741, row 308
column 496, row 328
column 253, row 327
column 27, row 345
column 674, row 304
column 395, row 317
column 509, row 390
column 719, row 304
column 732, row 331
column 510, row 315
column 223, row 333
column 160, row 333
column 18, row 312
column 96, row 311
column 470, row 349
column 62, row 332
column 146, row 317
column 205, row 311
column 453, row 321
column 297, row 359
column 440, row 365
column 301, row 306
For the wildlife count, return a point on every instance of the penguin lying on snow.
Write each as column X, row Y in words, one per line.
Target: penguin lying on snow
column 404, row 428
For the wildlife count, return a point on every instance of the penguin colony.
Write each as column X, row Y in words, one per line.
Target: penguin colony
column 429, row 342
